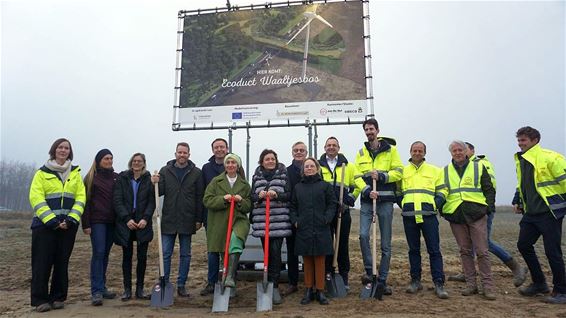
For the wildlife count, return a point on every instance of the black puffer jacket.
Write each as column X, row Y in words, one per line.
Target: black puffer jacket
column 182, row 203
column 279, row 222
column 312, row 208
column 124, row 207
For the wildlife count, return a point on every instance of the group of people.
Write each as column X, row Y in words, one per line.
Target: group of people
column 303, row 201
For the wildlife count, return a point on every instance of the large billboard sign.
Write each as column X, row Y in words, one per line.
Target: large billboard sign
column 289, row 63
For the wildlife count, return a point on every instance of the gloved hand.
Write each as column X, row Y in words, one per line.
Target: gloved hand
column 53, row 223
column 349, row 199
column 71, row 220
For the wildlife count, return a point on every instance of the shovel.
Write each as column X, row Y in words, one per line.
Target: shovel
column 221, row 292
column 335, row 283
column 376, row 289
column 162, row 293
column 265, row 288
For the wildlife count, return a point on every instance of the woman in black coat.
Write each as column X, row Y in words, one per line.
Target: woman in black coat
column 134, row 202
column 312, row 210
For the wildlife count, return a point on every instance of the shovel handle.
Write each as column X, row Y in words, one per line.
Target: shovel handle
column 266, row 237
column 228, row 237
column 339, row 220
column 159, row 241
column 374, row 234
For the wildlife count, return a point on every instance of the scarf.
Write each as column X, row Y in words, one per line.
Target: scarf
column 62, row 170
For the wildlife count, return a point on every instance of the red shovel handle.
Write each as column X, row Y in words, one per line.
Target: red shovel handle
column 228, row 236
column 266, row 238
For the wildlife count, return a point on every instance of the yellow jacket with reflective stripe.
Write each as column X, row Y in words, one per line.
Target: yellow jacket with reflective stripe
column 550, row 177
column 419, row 186
column 387, row 162
column 352, row 186
column 50, row 197
column 487, row 164
column 468, row 188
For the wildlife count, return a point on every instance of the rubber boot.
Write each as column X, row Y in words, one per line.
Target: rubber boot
column 232, row 267
column 309, row 296
column 519, row 272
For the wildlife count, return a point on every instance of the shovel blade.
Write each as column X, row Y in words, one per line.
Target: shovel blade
column 377, row 290
column 221, row 298
column 162, row 295
column 335, row 286
column 366, row 292
column 264, row 296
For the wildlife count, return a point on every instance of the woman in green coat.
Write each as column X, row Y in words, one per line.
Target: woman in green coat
column 217, row 197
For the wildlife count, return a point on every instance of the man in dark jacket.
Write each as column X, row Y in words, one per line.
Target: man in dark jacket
column 211, row 169
column 180, row 182
column 299, row 153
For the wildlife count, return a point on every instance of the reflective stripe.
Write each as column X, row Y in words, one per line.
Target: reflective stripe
column 53, row 195
column 415, row 213
column 476, row 173
column 552, row 182
column 79, row 203
column 68, row 195
column 446, row 178
column 386, row 177
column 557, row 206
column 384, row 193
column 466, row 190
column 365, row 188
column 75, row 211
column 361, row 152
column 61, row 212
column 411, row 191
column 40, row 205
column 398, row 169
column 440, row 187
column 44, row 214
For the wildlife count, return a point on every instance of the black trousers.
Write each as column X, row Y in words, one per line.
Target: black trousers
column 50, row 252
column 128, row 252
column 292, row 259
column 274, row 266
column 343, row 248
column 532, row 227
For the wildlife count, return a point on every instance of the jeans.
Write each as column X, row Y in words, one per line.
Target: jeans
column 128, row 252
column 213, row 267
column 384, row 212
column 429, row 229
column 168, row 241
column 531, row 228
column 101, row 239
column 495, row 248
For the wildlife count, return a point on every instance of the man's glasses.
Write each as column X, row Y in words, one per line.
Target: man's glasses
column 300, row 150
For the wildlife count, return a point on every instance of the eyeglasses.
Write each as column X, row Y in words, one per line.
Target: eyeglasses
column 300, row 150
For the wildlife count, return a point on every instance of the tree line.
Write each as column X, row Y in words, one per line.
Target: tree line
column 15, row 179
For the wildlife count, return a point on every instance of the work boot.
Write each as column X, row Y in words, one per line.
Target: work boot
column 457, row 278
column 309, row 296
column 230, row 280
column 96, row 300
column 470, row 290
column 556, row 299
column 321, row 297
column 58, row 305
column 43, row 307
column 519, row 272
column 182, row 292
column 140, row 293
column 414, row 286
column 106, row 294
column 488, row 294
column 127, row 295
column 440, row 291
column 534, row 289
column 387, row 290
column 207, row 290
column 276, row 296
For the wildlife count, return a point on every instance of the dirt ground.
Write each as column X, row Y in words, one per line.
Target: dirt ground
column 15, row 240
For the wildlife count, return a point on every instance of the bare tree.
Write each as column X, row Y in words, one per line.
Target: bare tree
column 15, row 180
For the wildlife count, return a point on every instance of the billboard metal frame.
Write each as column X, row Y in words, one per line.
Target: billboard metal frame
column 309, row 123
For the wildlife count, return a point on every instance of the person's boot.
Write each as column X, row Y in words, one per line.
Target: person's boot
column 277, row 300
column 519, row 272
column 460, row 277
column 534, row 289
column 414, row 287
column 140, row 293
column 470, row 290
column 321, row 297
column 440, row 291
column 207, row 290
column 127, row 295
column 230, row 280
column 309, row 296
column 489, row 294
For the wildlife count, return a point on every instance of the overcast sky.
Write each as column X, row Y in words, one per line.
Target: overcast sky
column 101, row 73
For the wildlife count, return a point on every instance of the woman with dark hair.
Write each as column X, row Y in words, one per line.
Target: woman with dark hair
column 57, row 195
column 270, row 179
column 134, row 203
column 312, row 211
column 98, row 221
column 229, row 184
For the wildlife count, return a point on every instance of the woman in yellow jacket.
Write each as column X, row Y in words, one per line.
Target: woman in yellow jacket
column 57, row 195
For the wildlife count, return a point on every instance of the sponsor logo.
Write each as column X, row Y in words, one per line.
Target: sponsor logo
column 323, row 111
column 236, row 115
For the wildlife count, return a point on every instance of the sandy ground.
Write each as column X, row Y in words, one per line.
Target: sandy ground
column 15, row 238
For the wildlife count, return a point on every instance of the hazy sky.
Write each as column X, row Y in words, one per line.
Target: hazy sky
column 101, row 73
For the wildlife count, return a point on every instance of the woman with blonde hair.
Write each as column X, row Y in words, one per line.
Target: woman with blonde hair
column 98, row 221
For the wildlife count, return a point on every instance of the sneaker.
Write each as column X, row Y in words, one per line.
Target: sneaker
column 440, row 291
column 414, row 287
column 108, row 294
column 43, row 307
column 96, row 300
column 207, row 290
column 469, row 291
column 556, row 299
column 457, row 278
column 182, row 292
column 534, row 289
column 58, row 305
